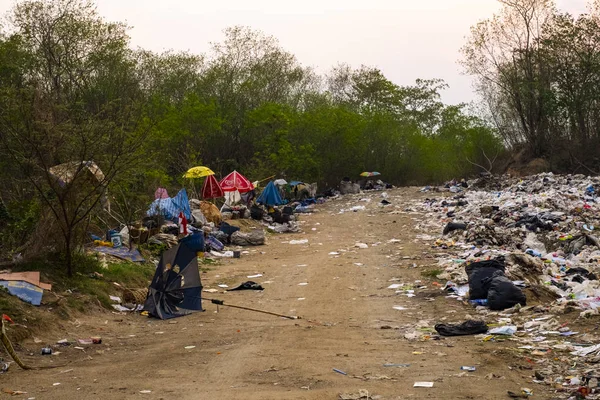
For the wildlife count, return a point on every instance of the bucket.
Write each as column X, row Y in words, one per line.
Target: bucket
column 116, row 239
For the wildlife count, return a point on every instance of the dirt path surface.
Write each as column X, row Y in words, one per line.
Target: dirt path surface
column 348, row 323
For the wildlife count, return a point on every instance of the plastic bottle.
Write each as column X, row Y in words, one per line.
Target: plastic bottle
column 533, row 253
column 478, row 302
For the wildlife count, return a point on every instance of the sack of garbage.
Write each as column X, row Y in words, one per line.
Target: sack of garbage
column 469, row 327
column 349, row 188
column 503, row 293
column 254, row 238
column 481, row 271
column 198, row 219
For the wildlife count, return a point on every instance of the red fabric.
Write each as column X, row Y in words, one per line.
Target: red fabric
column 7, row 318
column 183, row 224
column 236, row 181
column 211, row 188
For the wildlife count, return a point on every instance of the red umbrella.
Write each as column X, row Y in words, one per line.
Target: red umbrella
column 236, row 181
column 211, row 188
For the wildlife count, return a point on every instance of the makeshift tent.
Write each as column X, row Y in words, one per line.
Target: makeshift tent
column 65, row 173
column 171, row 207
column 198, row 172
column 176, row 288
column 236, row 181
column 211, row 188
column 270, row 196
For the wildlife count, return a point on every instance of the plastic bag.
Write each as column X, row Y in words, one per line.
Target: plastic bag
column 503, row 293
column 478, row 272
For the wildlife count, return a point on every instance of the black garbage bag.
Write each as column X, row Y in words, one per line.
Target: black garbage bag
column 256, row 212
column 503, row 293
column 248, row 286
column 481, row 271
column 454, row 226
column 469, row 327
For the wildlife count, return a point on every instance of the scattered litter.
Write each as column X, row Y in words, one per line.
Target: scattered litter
column 254, row 276
column 189, row 347
column 362, row 394
column 249, row 285
column 339, row 371
column 13, row 392
column 302, row 241
column 504, row 330
column 423, row 384
column 469, row 327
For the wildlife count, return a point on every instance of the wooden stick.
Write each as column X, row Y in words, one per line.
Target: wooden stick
column 222, row 303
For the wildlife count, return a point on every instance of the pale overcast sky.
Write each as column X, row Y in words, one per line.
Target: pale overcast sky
column 406, row 39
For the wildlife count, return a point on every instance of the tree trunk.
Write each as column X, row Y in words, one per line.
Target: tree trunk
column 69, row 253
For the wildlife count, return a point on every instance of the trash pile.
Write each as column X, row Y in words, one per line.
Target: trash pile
column 526, row 253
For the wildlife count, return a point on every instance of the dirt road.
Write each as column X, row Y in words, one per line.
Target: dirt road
column 348, row 323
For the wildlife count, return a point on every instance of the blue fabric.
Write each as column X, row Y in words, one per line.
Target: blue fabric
column 270, row 196
column 171, row 207
column 295, row 183
column 194, row 241
column 121, row 252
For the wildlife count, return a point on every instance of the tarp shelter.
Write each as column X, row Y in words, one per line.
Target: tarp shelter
column 211, row 188
column 236, row 181
column 176, row 288
column 280, row 182
column 171, row 207
column 65, row 173
column 270, row 196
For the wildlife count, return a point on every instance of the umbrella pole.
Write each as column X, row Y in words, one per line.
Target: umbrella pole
column 222, row 303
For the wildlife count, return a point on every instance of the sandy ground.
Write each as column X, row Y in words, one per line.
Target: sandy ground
column 245, row 355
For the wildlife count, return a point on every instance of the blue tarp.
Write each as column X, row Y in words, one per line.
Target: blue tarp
column 25, row 291
column 296, row 183
column 171, row 207
column 270, row 196
column 121, row 252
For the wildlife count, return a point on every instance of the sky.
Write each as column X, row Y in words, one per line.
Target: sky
column 406, row 39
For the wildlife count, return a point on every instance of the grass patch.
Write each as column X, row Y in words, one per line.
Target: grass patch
column 432, row 273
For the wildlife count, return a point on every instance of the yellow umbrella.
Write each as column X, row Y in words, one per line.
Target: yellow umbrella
column 198, row 172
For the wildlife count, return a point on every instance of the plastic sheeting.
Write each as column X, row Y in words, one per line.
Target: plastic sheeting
column 171, row 207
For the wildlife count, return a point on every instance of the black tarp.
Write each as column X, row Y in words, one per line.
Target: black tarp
column 176, row 288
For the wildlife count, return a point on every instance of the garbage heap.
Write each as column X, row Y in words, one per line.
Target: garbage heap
column 526, row 253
